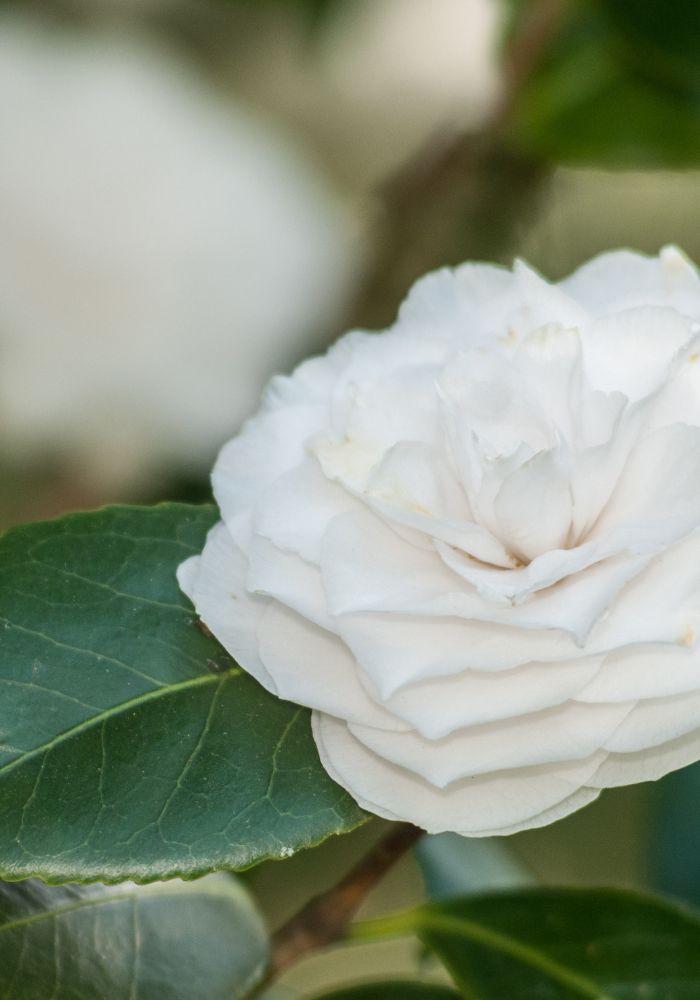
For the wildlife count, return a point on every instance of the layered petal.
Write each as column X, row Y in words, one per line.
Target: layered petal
column 564, row 733
column 498, row 803
column 471, row 544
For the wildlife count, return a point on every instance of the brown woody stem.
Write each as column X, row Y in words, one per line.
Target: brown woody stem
column 464, row 195
column 325, row 919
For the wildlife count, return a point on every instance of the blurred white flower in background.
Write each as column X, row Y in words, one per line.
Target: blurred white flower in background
column 161, row 253
column 383, row 79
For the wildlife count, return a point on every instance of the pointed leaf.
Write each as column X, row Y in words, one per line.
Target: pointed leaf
column 558, row 944
column 131, row 745
column 392, row 991
column 566, row 944
column 173, row 941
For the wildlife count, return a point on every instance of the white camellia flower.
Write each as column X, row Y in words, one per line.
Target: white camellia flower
column 144, row 221
column 472, row 543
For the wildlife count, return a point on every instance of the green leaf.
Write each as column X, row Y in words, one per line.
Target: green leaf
column 131, row 745
column 559, row 944
column 656, row 44
column 392, row 991
column 605, row 96
column 172, row 941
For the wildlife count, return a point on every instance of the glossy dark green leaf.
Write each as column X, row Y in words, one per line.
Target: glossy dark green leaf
column 168, row 941
column 601, row 97
column 660, row 42
column 564, row 944
column 392, row 991
column 131, row 745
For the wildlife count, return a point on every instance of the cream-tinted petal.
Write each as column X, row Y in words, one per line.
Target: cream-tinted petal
column 312, row 667
column 414, row 486
column 457, row 304
column 367, row 567
column 473, row 539
column 481, row 806
column 534, row 505
column 656, row 721
column 439, row 706
column 223, row 603
column 288, row 578
column 648, row 764
column 655, row 501
column 397, row 649
column 187, row 573
column 295, row 510
column 660, row 604
column 269, row 445
column 653, row 670
column 630, row 351
column 572, row 803
column 564, row 733
column 623, row 279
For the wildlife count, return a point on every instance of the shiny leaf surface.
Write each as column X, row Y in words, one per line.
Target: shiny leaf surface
column 131, row 745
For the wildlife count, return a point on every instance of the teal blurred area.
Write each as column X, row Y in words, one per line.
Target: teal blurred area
column 454, row 865
column 674, row 862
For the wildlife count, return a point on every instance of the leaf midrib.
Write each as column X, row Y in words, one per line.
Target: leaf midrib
column 119, row 896
column 163, row 691
column 493, row 939
column 424, row 921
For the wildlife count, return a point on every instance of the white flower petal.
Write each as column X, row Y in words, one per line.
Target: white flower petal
column 656, row 721
column 572, row 803
column 622, row 279
column 563, row 733
column 289, row 579
column 625, row 352
column 655, row 502
column 187, row 573
column 658, row 605
column 679, row 400
column 456, row 305
column 396, row 649
column 644, row 671
column 534, row 505
column 474, row 544
column 413, row 486
column 437, row 707
column 283, row 514
column 367, row 567
column 222, row 602
column 329, row 680
column 268, row 446
column 481, row 806
column 648, row 764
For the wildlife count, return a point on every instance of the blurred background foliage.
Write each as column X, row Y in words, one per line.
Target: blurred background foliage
column 197, row 193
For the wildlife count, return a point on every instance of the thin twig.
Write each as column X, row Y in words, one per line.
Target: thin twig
column 325, row 919
column 535, row 29
column 462, row 195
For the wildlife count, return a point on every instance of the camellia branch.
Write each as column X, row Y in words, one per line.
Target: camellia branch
column 326, row 918
column 461, row 198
